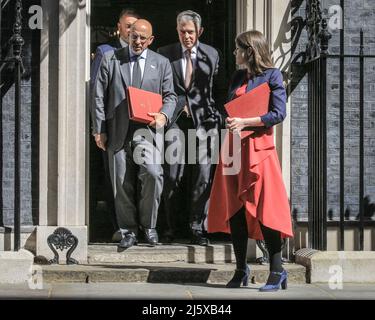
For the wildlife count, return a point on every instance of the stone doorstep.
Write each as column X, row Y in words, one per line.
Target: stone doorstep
column 15, row 267
column 337, row 266
column 215, row 253
column 158, row 273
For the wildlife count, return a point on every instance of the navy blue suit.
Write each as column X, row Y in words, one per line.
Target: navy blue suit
column 99, row 54
column 95, row 65
column 277, row 107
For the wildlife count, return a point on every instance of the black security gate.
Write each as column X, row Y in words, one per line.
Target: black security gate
column 317, row 60
column 14, row 59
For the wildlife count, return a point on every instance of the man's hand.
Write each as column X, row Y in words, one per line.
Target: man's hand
column 187, row 111
column 101, row 140
column 159, row 120
column 235, row 124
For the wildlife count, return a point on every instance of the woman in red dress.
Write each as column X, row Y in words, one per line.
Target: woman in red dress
column 253, row 203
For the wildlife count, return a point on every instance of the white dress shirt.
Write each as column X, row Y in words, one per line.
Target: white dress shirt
column 142, row 62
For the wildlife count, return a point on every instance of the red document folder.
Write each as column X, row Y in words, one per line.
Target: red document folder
column 252, row 104
column 141, row 102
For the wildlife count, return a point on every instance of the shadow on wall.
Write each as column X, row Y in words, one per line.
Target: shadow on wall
column 287, row 58
column 65, row 12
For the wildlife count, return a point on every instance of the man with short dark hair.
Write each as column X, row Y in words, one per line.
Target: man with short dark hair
column 126, row 18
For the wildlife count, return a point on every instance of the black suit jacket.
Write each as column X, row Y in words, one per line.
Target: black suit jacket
column 199, row 97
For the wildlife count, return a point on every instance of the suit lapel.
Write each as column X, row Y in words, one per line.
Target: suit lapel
column 148, row 63
column 124, row 58
column 201, row 58
column 177, row 64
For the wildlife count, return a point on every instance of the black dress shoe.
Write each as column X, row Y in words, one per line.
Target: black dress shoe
column 151, row 237
column 198, row 238
column 128, row 241
column 117, row 236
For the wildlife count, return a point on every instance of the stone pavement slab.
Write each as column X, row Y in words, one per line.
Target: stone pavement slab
column 155, row 291
column 172, row 272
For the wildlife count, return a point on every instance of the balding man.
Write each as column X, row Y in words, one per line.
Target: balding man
column 137, row 178
column 126, row 18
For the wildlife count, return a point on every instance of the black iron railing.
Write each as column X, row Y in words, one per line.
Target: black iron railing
column 16, row 42
column 317, row 58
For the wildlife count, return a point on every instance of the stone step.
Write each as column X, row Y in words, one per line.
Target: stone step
column 337, row 267
column 142, row 253
column 158, row 273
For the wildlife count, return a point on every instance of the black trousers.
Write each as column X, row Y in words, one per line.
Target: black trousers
column 186, row 186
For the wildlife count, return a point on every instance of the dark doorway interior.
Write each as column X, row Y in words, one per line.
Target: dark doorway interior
column 219, row 21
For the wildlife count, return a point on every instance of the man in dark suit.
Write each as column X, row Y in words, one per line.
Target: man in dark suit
column 194, row 66
column 126, row 18
column 137, row 179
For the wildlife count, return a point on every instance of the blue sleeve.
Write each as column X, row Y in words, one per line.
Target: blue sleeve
column 100, row 51
column 277, row 112
column 95, row 65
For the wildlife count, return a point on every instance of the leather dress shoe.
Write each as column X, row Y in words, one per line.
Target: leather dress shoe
column 128, row 241
column 117, row 236
column 198, row 238
column 151, row 237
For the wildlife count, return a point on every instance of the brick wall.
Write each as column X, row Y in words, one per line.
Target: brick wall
column 358, row 14
column 29, row 123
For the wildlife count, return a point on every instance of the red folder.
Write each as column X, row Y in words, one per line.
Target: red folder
column 141, row 102
column 252, row 104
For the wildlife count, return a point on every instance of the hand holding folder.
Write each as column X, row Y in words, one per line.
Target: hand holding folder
column 141, row 103
column 252, row 104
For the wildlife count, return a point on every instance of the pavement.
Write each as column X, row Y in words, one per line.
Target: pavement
column 158, row 291
column 172, row 272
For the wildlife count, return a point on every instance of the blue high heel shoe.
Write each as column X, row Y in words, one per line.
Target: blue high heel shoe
column 283, row 282
column 240, row 276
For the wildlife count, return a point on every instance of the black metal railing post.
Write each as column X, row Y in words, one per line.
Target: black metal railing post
column 342, row 135
column 361, row 147
column 324, row 37
column 17, row 43
column 317, row 51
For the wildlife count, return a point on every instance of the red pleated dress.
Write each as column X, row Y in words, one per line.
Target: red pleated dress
column 258, row 186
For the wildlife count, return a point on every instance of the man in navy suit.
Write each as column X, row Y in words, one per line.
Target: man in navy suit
column 126, row 18
column 194, row 66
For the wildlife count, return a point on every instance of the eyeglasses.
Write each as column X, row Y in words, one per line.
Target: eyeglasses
column 134, row 37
